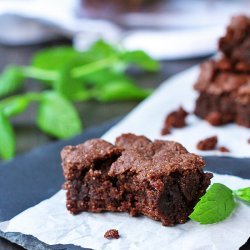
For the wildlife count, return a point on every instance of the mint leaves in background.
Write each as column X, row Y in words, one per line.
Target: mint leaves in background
column 7, row 138
column 218, row 203
column 56, row 116
column 68, row 76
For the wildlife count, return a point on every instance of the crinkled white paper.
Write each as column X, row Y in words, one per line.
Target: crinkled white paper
column 148, row 118
column 51, row 223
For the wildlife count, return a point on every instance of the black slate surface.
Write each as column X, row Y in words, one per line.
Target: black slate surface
column 37, row 175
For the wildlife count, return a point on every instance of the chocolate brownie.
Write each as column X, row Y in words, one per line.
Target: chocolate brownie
column 224, row 95
column 176, row 119
column 159, row 179
column 224, row 149
column 118, row 5
column 235, row 45
column 209, row 143
column 112, row 234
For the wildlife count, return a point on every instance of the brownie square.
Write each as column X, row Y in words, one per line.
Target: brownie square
column 224, row 83
column 224, row 95
column 159, row 179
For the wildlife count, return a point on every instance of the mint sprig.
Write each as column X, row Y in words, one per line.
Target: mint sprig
column 100, row 73
column 217, row 204
column 243, row 194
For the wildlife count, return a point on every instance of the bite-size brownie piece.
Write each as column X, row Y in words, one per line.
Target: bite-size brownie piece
column 235, row 45
column 224, row 95
column 159, row 179
column 175, row 119
column 209, row 143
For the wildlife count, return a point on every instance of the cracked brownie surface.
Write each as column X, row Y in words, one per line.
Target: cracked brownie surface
column 159, row 179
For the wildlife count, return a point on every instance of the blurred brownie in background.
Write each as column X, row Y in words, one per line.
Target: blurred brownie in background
column 224, row 84
column 119, row 5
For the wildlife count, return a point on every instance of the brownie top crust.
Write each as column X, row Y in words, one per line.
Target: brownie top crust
column 84, row 155
column 131, row 153
column 215, row 81
column 149, row 159
column 236, row 42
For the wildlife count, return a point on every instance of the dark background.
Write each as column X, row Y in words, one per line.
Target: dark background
column 92, row 113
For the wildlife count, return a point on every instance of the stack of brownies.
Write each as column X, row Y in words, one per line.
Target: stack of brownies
column 224, row 84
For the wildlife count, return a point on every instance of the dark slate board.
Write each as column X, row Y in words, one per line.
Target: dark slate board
column 37, row 175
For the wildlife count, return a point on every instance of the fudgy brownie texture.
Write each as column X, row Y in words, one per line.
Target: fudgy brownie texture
column 209, row 143
column 176, row 119
column 224, row 95
column 235, row 45
column 159, row 179
column 224, row 84
column 112, row 234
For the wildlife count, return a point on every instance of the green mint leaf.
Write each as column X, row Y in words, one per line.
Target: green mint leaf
column 7, row 138
column 243, row 194
column 104, row 77
column 100, row 50
column 57, row 116
column 54, row 58
column 120, row 91
column 14, row 105
column 94, row 67
column 141, row 59
column 69, row 87
column 216, row 205
column 11, row 80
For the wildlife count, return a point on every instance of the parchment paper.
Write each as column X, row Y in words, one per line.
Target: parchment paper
column 51, row 223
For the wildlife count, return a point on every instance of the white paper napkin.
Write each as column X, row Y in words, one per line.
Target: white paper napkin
column 51, row 223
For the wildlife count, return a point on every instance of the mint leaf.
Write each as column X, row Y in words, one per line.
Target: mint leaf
column 100, row 50
column 7, row 138
column 243, row 194
column 141, row 59
column 11, row 80
column 71, row 88
column 54, row 58
column 104, row 77
column 14, row 105
column 120, row 91
column 216, row 205
column 57, row 116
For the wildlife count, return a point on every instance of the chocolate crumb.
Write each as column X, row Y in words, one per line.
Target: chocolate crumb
column 224, row 149
column 165, row 131
column 112, row 234
column 208, row 143
column 176, row 119
column 214, row 118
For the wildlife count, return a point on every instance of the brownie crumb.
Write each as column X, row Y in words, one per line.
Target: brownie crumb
column 208, row 143
column 224, row 149
column 214, row 118
column 176, row 119
column 112, row 234
column 165, row 131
